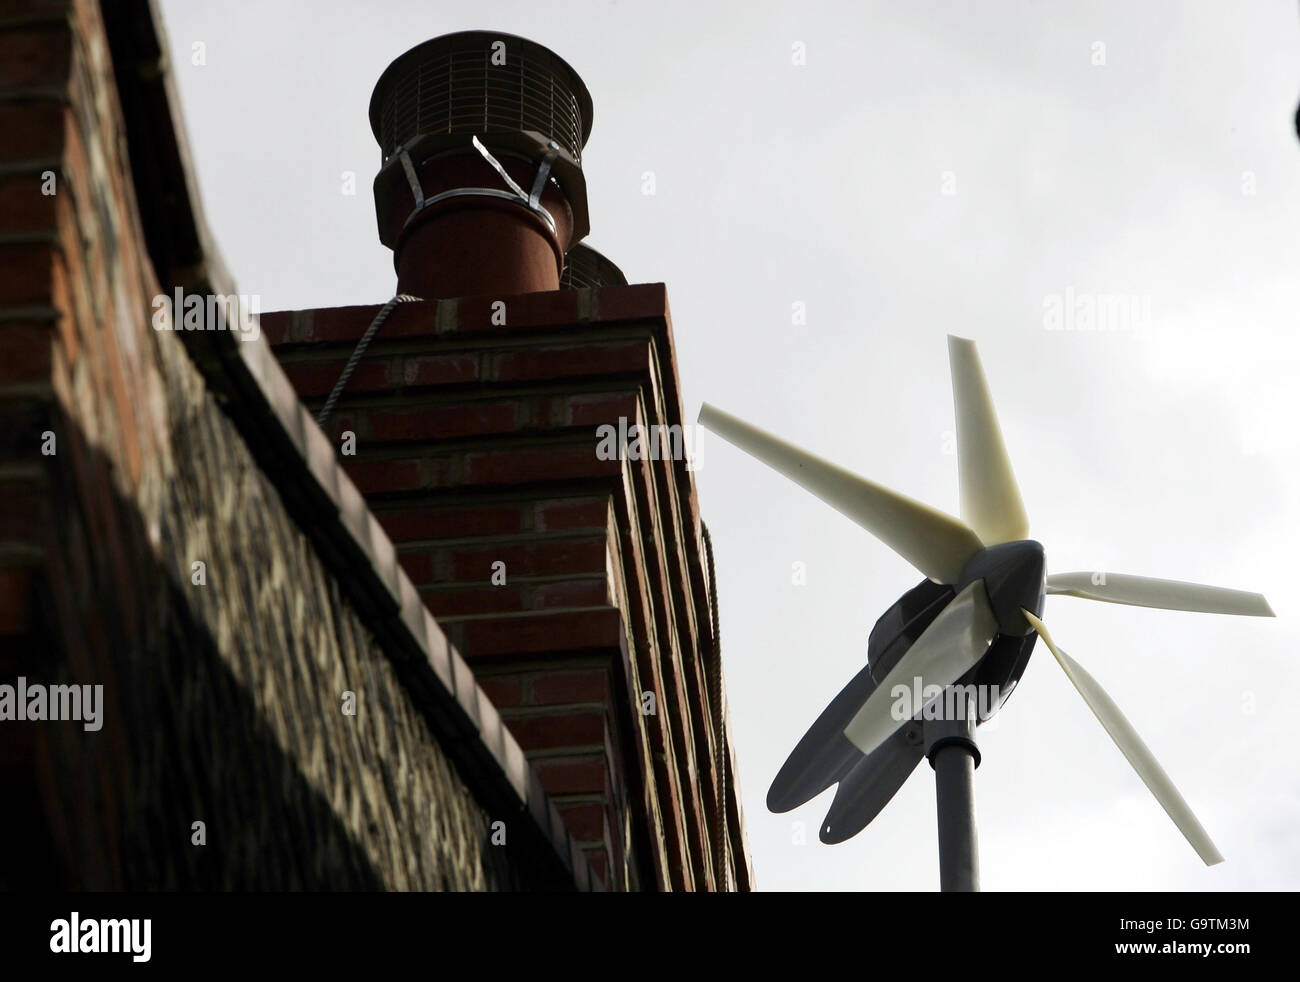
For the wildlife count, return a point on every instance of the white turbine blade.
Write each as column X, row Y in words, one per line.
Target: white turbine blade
column 945, row 651
column 1131, row 745
column 936, row 544
column 990, row 497
column 1143, row 591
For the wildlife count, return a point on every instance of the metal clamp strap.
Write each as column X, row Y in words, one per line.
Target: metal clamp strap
column 532, row 201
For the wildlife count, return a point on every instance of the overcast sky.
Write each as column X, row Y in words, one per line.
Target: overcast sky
column 932, row 168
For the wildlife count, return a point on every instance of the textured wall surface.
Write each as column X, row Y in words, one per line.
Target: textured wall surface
column 223, row 700
column 229, row 695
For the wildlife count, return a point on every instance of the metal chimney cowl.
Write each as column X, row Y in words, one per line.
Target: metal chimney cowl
column 456, row 226
column 585, row 268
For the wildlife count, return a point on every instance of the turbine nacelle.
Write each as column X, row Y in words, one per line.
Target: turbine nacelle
column 1015, row 579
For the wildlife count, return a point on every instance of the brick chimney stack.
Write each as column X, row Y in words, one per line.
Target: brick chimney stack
column 445, row 114
column 574, row 579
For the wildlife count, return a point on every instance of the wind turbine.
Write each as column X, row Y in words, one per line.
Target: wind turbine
column 961, row 638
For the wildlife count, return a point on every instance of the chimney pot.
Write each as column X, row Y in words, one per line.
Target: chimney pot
column 455, row 225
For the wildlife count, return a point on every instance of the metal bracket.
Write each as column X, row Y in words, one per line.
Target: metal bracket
column 543, row 172
column 496, row 166
column 541, row 213
column 411, row 178
column 532, row 201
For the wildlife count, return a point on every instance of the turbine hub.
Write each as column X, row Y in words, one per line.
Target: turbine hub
column 1015, row 577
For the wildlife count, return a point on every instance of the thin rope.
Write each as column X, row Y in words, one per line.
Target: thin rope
column 357, row 352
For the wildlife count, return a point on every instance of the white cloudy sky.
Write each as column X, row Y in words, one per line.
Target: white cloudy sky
column 1170, row 172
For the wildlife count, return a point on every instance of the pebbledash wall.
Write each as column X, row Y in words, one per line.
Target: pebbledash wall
column 175, row 527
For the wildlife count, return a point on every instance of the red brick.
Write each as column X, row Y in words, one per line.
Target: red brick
column 19, row 10
column 543, row 464
column 595, row 409
column 26, row 274
column 553, row 731
column 543, row 557
column 478, row 600
column 23, row 208
column 411, row 319
column 339, row 323
column 503, row 690
column 317, row 378
column 572, row 775
column 28, row 351
column 29, row 11
column 585, row 820
column 418, row 566
column 36, row 57
column 372, row 476
column 550, row 308
column 572, row 513
column 542, row 631
column 641, row 301
column 341, row 422
column 558, row 307
column 441, row 422
column 347, row 324
column 571, row 593
column 276, row 326
column 586, row 685
column 461, row 520
column 33, row 131
column 439, row 369
column 610, row 358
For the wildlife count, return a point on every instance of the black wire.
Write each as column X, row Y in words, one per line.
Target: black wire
column 357, row 352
